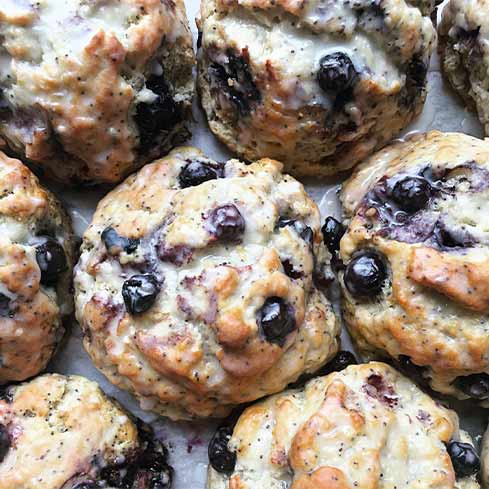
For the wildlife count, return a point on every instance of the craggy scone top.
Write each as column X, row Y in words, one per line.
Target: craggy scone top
column 317, row 85
column 367, row 427
column 417, row 259
column 90, row 90
column 464, row 49
column 62, row 432
column 36, row 259
column 196, row 286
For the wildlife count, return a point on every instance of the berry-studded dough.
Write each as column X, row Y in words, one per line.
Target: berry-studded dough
column 317, row 85
column 60, row 432
column 363, row 428
column 416, row 282
column 197, row 286
column 36, row 261
column 464, row 37
column 91, row 90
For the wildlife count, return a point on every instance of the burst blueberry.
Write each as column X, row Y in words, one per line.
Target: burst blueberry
column 116, row 244
column 197, row 172
column 226, row 223
column 332, row 231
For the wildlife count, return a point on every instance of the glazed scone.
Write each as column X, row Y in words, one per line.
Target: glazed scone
column 365, row 427
column 196, row 285
column 91, row 90
column 36, row 262
column 416, row 282
column 464, row 50
column 317, row 86
column 59, row 432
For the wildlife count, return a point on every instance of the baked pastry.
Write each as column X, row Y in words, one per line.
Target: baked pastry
column 463, row 35
column 89, row 91
column 36, row 261
column 196, row 285
column 364, row 427
column 416, row 282
column 317, row 86
column 59, row 432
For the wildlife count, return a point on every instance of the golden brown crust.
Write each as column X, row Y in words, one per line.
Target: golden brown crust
column 31, row 313
column 73, row 109
column 433, row 307
column 199, row 349
column 364, row 427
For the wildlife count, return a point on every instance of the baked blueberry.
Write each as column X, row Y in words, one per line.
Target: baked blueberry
column 276, row 320
column 197, row 172
column 336, row 72
column 304, row 231
column 464, row 458
column 290, row 270
column 342, row 360
column 116, row 244
column 220, row 457
column 412, row 193
column 139, row 292
column 365, row 275
column 449, row 237
column 4, row 442
column 4, row 305
column 475, row 386
column 160, row 114
column 226, row 223
column 333, row 231
column 51, row 259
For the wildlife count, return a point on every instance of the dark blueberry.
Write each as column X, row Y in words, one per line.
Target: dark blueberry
column 475, row 385
column 51, row 259
column 412, row 193
column 139, row 292
column 470, row 36
column 199, row 39
column 452, row 238
column 305, row 232
column 4, row 442
column 333, row 231
column 220, row 457
column 276, row 320
column 4, row 306
column 290, row 270
column 226, row 223
column 365, row 274
column 235, row 80
column 408, row 367
column 465, row 460
column 4, row 106
column 116, row 244
column 416, row 72
column 336, row 73
column 342, row 360
column 197, row 172
column 6, row 394
column 160, row 115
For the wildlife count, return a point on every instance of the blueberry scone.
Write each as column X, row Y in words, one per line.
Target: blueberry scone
column 36, row 261
column 91, row 90
column 197, row 285
column 464, row 36
column 59, row 432
column 365, row 427
column 318, row 85
column 416, row 256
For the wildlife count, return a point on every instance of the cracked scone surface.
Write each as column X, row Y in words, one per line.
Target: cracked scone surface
column 89, row 91
column 36, row 261
column 226, row 256
column 316, row 86
column 464, row 36
column 418, row 224
column 62, row 432
column 364, row 427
